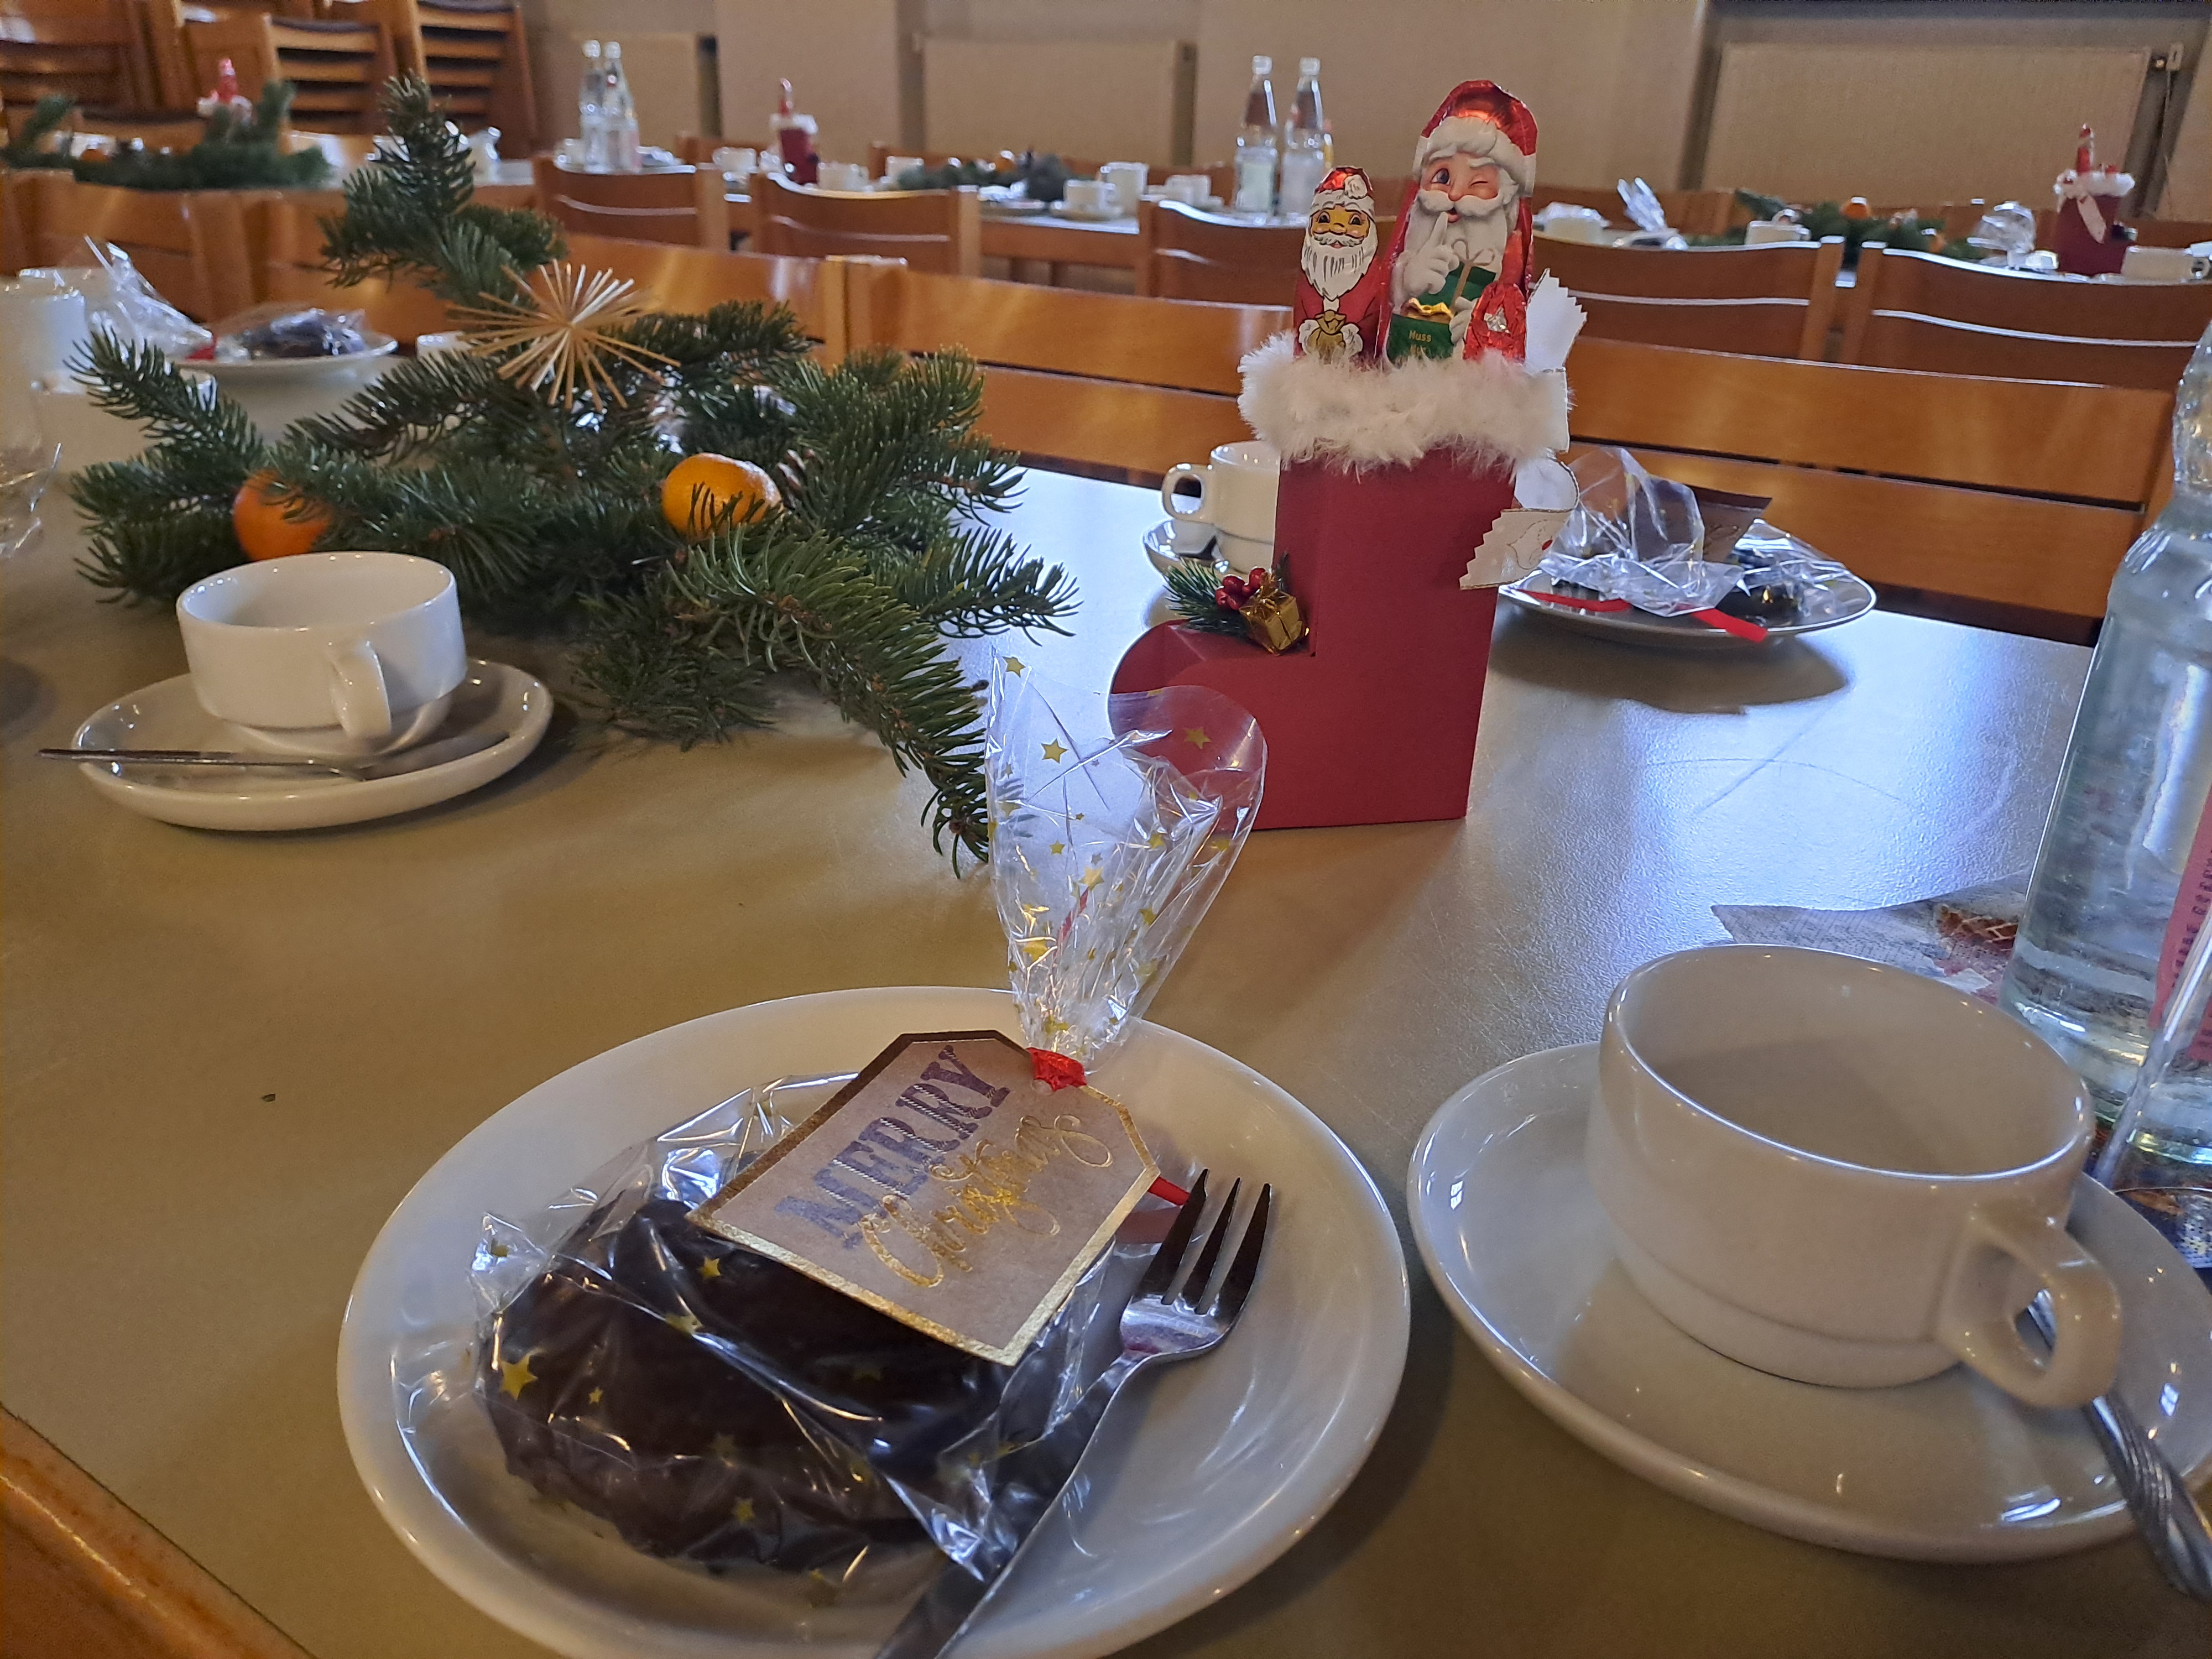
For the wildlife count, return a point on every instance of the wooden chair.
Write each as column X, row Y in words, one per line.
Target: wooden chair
column 1185, row 254
column 91, row 50
column 2006, row 492
column 1923, row 312
column 473, row 53
column 1692, row 212
column 685, row 208
column 192, row 246
column 1095, row 382
column 1774, row 301
column 694, row 279
column 934, row 230
column 335, row 64
column 284, row 230
column 2171, row 233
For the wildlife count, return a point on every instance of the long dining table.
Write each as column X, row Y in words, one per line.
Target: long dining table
column 228, row 1056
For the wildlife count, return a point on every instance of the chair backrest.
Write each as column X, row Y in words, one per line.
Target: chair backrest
column 687, row 279
column 1921, row 311
column 89, row 50
column 2012, row 492
column 1185, row 254
column 1774, row 301
column 1094, row 380
column 2171, row 233
column 1692, row 212
column 285, row 231
column 335, row 64
column 473, row 53
column 192, row 246
column 935, row 230
column 684, row 207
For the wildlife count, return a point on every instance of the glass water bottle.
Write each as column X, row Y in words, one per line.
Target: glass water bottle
column 1255, row 143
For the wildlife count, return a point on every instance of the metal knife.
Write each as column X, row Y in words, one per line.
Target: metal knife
column 366, row 770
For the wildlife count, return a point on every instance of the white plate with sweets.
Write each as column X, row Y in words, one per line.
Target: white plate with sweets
column 1200, row 1478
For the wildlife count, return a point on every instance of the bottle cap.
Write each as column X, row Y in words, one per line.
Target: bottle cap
column 591, row 49
column 1262, row 66
column 1309, row 67
column 614, row 48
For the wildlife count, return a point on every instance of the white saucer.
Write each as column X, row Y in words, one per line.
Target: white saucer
column 1160, row 548
column 1195, row 1484
column 1834, row 603
column 1092, row 216
column 295, row 368
column 494, row 698
column 1950, row 1469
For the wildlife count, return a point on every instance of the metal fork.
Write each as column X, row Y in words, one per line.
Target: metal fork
column 2156, row 1494
column 1156, row 1328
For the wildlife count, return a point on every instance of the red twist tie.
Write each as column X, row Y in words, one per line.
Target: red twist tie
column 1056, row 1072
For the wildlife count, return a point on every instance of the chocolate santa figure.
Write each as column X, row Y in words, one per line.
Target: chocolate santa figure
column 2087, row 240
column 1459, row 263
column 1343, row 303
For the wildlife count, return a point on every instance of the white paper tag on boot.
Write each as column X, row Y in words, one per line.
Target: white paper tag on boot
column 1514, row 547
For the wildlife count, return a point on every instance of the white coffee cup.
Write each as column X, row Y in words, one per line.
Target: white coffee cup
column 1085, row 196
column 841, row 175
column 1237, row 497
column 330, row 654
column 1760, row 232
column 895, row 166
column 1125, row 183
column 1190, row 188
column 2157, row 264
column 1846, row 1173
column 43, row 320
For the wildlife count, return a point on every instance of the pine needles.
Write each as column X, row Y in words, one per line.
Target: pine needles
column 544, row 502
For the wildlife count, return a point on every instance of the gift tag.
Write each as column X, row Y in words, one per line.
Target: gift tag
column 946, row 1186
column 1514, row 547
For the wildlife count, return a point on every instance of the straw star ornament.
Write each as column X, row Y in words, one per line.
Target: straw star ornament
column 565, row 331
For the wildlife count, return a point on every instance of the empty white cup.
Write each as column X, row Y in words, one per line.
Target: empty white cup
column 897, row 166
column 1125, row 183
column 1237, row 497
column 1190, row 188
column 328, row 654
column 841, row 175
column 1085, row 196
column 1846, row 1174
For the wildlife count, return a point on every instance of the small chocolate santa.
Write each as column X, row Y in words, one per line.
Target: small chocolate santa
column 1343, row 301
column 1459, row 262
column 2087, row 238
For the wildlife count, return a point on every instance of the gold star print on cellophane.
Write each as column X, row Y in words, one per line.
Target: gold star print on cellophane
column 1114, row 822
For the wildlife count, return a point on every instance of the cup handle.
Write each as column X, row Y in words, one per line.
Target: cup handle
column 357, row 687
column 1177, row 474
column 1977, row 1322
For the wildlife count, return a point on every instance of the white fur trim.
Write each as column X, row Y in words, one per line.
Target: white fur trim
column 1470, row 135
column 1486, row 409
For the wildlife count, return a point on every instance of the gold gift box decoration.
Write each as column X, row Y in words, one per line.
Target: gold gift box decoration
column 1270, row 610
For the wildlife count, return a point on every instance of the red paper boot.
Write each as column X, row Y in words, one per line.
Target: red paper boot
column 1372, row 718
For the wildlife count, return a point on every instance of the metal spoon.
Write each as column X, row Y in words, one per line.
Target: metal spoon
column 2165, row 1515
column 419, row 759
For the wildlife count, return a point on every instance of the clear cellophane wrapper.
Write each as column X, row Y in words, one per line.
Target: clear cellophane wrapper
column 1642, row 538
column 1114, row 822
column 636, row 1386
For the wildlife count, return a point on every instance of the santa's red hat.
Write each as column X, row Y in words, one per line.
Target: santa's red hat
column 1481, row 120
column 1346, row 187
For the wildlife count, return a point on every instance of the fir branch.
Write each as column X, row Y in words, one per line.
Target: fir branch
column 27, row 136
column 667, row 672
column 192, row 418
column 787, row 598
column 1192, row 587
column 974, row 581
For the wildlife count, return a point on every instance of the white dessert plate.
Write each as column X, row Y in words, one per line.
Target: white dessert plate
column 1199, row 1479
column 1845, row 599
column 1949, row 1469
column 1086, row 215
column 494, row 697
column 1160, row 548
column 252, row 369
